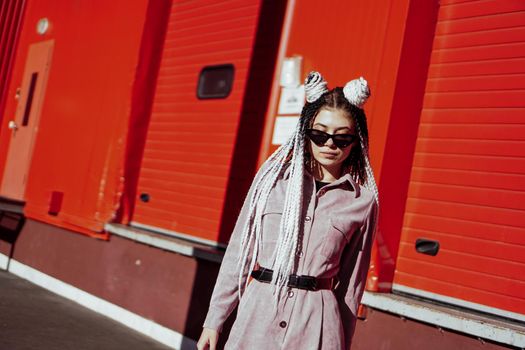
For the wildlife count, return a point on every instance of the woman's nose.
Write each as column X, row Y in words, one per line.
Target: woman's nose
column 330, row 143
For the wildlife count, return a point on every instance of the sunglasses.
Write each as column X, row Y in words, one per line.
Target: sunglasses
column 320, row 137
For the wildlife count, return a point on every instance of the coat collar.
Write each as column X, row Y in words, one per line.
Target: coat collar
column 346, row 178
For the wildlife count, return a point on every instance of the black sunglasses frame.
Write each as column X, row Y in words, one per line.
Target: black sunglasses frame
column 320, row 137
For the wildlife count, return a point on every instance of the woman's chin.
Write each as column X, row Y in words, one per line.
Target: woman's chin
column 329, row 163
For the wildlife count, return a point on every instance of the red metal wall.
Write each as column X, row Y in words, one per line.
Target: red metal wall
column 82, row 132
column 190, row 142
column 467, row 187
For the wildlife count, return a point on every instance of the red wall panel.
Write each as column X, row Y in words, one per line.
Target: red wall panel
column 79, row 146
column 190, row 142
column 468, row 176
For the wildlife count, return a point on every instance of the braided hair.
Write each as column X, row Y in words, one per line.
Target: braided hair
column 293, row 153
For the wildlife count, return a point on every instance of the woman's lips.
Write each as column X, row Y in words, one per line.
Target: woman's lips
column 329, row 155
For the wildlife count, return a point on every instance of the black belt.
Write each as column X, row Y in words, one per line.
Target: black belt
column 301, row 282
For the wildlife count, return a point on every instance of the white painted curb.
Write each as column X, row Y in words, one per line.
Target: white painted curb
column 458, row 321
column 138, row 323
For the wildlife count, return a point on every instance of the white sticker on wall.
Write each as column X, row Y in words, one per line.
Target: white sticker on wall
column 292, row 100
column 283, row 129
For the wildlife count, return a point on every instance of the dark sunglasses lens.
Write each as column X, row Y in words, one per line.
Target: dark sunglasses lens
column 343, row 141
column 318, row 137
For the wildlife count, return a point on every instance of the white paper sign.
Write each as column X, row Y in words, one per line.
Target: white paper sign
column 283, row 129
column 292, row 100
column 291, row 71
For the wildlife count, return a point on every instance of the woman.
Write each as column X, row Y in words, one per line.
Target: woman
column 304, row 233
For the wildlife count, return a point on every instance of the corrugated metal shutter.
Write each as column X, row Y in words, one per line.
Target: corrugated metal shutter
column 10, row 21
column 190, row 142
column 467, row 188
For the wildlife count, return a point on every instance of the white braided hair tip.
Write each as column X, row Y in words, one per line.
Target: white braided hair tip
column 370, row 182
column 260, row 194
column 287, row 240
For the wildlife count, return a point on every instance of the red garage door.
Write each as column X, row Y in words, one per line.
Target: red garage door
column 191, row 139
column 467, row 188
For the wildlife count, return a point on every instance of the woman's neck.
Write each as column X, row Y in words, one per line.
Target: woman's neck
column 326, row 174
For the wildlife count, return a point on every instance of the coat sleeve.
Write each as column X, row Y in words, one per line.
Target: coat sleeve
column 355, row 262
column 224, row 298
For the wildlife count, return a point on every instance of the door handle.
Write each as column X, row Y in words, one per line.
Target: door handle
column 427, row 246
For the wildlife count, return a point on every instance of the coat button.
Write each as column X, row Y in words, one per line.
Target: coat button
column 300, row 253
column 308, row 218
column 290, row 294
column 282, row 324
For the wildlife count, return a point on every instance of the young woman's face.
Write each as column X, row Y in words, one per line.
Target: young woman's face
column 333, row 122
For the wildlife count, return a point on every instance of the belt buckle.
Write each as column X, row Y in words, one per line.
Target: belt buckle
column 313, row 282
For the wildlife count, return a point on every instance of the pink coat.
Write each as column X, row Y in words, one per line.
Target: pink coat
column 337, row 239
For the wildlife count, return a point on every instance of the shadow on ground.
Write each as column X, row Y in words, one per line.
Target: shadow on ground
column 34, row 318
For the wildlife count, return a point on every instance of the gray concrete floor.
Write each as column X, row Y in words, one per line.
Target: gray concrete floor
column 34, row 318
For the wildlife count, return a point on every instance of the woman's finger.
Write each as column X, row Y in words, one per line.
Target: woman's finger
column 201, row 345
column 213, row 342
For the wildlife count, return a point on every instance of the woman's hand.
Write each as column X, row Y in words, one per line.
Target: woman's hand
column 208, row 339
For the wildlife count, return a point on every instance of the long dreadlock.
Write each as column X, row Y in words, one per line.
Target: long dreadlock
column 292, row 153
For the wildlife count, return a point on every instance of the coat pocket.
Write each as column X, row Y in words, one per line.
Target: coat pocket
column 335, row 239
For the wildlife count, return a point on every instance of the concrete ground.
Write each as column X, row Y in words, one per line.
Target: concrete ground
column 34, row 318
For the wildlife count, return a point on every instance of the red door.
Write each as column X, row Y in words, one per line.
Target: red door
column 24, row 124
column 467, row 188
column 191, row 140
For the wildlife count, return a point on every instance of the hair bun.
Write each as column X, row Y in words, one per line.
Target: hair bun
column 314, row 86
column 357, row 92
